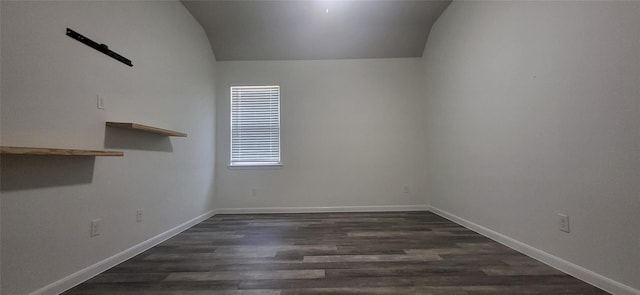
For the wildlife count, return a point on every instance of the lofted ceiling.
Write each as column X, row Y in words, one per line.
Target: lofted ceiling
column 302, row 30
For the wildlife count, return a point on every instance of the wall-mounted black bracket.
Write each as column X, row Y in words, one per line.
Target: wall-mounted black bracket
column 100, row 47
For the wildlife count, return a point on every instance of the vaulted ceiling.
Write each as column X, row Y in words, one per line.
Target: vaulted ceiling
column 296, row 30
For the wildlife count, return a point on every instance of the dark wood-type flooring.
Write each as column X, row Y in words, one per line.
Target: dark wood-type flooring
column 331, row 253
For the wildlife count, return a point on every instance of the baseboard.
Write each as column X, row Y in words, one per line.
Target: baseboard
column 321, row 209
column 78, row 277
column 575, row 270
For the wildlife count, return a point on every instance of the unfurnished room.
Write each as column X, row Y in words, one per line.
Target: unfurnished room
column 369, row 147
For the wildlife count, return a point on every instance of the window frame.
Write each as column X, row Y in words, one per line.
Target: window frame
column 254, row 165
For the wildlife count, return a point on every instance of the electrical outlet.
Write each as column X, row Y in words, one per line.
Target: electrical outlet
column 139, row 215
column 405, row 189
column 254, row 192
column 563, row 222
column 95, row 227
column 100, row 102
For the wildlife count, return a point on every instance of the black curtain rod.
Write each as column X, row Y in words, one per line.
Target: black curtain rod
column 100, row 47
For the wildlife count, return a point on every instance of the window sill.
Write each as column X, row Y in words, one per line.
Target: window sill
column 255, row 166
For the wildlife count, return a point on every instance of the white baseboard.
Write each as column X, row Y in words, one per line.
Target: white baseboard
column 575, row 270
column 78, row 277
column 322, row 209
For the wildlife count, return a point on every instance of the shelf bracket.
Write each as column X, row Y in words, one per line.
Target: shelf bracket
column 100, row 47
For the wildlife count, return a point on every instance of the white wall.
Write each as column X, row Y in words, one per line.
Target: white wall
column 351, row 135
column 533, row 110
column 49, row 88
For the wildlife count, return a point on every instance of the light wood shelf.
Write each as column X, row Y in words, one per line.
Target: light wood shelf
column 145, row 128
column 18, row 150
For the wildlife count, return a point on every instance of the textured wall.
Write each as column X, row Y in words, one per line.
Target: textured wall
column 533, row 109
column 49, row 88
column 351, row 134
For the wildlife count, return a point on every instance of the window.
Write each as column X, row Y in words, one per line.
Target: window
column 255, row 126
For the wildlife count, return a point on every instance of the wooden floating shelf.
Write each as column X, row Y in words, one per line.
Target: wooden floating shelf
column 15, row 150
column 145, row 128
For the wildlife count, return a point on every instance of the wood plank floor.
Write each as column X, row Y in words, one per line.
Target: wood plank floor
column 331, row 253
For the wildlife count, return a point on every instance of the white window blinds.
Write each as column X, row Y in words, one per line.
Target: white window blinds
column 255, row 125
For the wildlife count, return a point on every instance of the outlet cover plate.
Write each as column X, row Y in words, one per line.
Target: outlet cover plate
column 100, row 102
column 563, row 223
column 95, row 227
